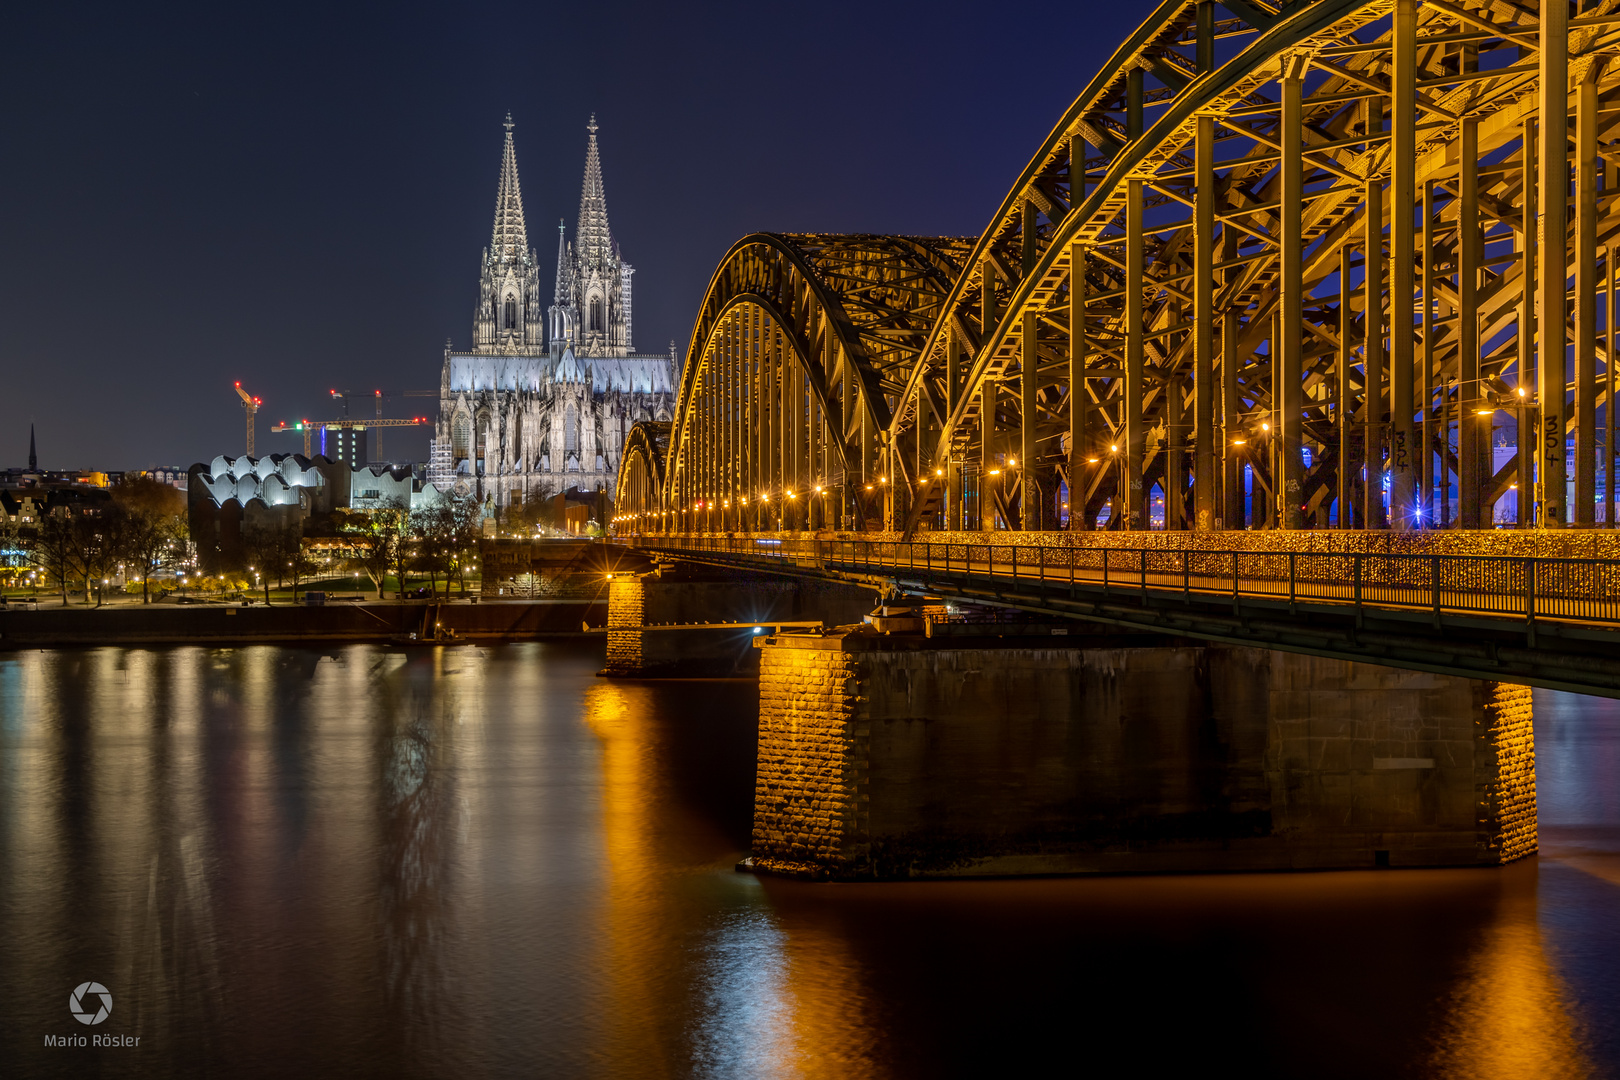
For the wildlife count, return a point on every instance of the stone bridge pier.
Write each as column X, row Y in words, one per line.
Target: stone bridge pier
column 896, row 756
column 658, row 623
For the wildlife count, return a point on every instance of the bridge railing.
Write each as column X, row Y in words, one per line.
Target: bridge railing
column 1581, row 590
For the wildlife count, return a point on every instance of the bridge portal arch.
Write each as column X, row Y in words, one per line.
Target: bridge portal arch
column 799, row 350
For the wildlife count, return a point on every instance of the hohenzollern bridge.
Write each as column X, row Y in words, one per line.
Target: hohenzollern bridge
column 1297, row 328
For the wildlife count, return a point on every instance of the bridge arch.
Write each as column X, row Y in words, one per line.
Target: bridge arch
column 800, row 349
column 1212, row 187
column 638, row 503
column 1278, row 264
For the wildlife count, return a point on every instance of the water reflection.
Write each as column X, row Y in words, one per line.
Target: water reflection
column 1508, row 1015
column 487, row 862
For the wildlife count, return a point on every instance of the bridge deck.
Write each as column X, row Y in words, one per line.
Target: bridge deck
column 1546, row 621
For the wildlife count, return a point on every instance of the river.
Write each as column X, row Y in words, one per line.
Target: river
column 487, row 862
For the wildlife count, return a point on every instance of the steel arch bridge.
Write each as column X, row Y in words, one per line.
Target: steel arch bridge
column 1269, row 252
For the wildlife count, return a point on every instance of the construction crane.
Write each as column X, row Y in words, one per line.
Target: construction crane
column 346, row 396
column 250, row 405
column 308, row 428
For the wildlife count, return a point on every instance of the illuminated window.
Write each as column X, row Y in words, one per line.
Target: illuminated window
column 571, row 429
column 461, row 437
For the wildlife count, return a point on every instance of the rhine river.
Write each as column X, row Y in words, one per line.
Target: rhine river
column 477, row 862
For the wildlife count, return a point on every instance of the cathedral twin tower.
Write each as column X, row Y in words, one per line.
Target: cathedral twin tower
column 543, row 399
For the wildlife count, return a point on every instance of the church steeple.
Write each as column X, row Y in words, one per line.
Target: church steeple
column 509, row 241
column 33, row 458
column 508, row 317
column 593, row 241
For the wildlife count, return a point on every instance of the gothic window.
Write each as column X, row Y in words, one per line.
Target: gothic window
column 460, row 437
column 596, row 313
column 571, row 429
column 511, row 313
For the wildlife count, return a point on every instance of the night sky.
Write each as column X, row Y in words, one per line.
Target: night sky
column 297, row 197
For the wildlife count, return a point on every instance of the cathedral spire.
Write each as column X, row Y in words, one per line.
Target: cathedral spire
column 561, row 292
column 33, row 458
column 509, row 241
column 593, row 241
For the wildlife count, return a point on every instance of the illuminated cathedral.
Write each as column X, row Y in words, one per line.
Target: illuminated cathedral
column 543, row 399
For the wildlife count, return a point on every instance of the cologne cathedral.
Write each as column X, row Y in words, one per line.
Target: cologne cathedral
column 541, row 402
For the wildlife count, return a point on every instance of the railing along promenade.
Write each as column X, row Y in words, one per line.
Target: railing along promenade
column 1525, row 590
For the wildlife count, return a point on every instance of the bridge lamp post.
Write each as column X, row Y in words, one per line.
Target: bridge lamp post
column 1525, row 408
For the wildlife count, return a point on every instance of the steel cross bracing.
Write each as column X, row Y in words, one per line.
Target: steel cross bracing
column 1268, row 252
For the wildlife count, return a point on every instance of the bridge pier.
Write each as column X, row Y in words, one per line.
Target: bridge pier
column 894, row 756
column 657, row 625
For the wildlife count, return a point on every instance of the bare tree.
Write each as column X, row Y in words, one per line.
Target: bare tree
column 266, row 548
column 52, row 550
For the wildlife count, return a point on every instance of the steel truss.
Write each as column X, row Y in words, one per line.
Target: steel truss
column 1270, row 251
column 800, row 347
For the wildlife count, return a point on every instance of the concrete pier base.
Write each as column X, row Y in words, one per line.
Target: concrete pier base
column 654, row 622
column 885, row 757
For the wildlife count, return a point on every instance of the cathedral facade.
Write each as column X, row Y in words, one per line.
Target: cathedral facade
column 543, row 399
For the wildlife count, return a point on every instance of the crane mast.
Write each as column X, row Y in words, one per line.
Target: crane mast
column 250, row 405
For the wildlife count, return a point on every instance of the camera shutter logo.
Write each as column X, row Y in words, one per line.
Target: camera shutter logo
column 83, row 1000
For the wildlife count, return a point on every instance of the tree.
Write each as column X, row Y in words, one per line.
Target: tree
column 433, row 527
column 153, row 524
column 537, row 513
column 373, row 558
column 52, row 549
column 300, row 565
column 269, row 549
column 92, row 541
column 467, row 524
column 383, row 546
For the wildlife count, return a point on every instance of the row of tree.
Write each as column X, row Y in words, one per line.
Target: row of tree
column 436, row 541
column 140, row 529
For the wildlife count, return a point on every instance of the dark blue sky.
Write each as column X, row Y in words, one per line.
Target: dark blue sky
column 297, row 197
